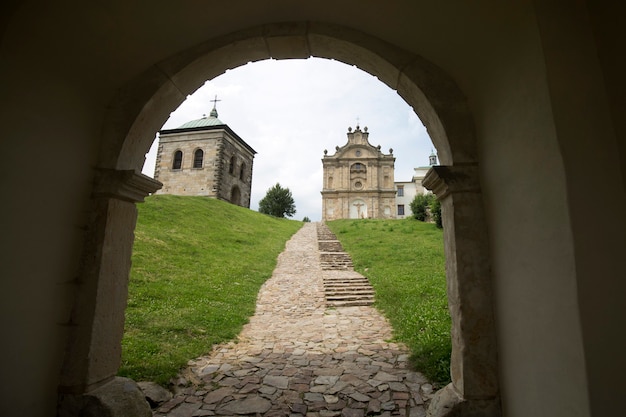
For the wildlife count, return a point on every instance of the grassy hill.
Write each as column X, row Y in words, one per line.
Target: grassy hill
column 198, row 264
column 404, row 261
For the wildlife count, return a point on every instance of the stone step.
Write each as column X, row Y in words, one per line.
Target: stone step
column 363, row 300
column 329, row 246
column 341, row 291
column 349, row 281
column 355, row 283
column 356, row 286
column 349, row 292
column 350, row 303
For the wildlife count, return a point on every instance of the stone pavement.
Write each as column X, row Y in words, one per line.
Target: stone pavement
column 296, row 357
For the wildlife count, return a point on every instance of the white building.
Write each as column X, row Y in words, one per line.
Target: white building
column 406, row 191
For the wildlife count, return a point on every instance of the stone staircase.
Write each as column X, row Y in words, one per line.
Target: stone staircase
column 342, row 286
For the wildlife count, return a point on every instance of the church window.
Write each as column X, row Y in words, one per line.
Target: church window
column 231, row 169
column 358, row 167
column 198, row 157
column 400, row 209
column 400, row 190
column 178, row 160
column 242, row 171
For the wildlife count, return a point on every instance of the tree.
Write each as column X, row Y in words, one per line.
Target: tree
column 306, row 219
column 435, row 211
column 419, row 205
column 278, row 202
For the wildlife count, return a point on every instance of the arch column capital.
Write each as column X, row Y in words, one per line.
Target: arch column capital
column 127, row 185
column 443, row 180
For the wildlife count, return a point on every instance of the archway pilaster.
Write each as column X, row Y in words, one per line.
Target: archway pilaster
column 473, row 368
column 93, row 353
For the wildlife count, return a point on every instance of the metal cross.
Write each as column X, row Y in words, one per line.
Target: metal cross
column 215, row 100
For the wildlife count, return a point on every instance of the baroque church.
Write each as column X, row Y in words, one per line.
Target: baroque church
column 205, row 157
column 358, row 180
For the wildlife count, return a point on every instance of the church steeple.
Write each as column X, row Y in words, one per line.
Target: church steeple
column 213, row 113
column 432, row 159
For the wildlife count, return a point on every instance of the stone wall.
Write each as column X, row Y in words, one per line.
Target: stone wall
column 228, row 179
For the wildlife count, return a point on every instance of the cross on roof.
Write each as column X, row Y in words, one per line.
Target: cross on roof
column 215, row 100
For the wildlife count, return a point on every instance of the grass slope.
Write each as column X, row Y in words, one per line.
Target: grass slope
column 404, row 261
column 198, row 264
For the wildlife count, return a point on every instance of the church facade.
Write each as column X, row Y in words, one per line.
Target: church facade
column 205, row 157
column 358, row 180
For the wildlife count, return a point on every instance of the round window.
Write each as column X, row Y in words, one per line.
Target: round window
column 358, row 153
column 358, row 185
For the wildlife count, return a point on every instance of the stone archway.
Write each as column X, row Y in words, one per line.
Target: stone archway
column 92, row 357
column 235, row 195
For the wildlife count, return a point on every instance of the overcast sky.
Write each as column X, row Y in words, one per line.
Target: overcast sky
column 289, row 111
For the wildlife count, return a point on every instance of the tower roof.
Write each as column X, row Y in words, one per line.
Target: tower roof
column 205, row 121
column 205, row 124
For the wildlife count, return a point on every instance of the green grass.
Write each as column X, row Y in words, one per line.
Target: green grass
column 404, row 261
column 198, row 264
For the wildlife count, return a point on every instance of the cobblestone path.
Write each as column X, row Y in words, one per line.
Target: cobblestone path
column 298, row 358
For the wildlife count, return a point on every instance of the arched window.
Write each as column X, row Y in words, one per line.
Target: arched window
column 231, row 169
column 242, row 171
column 198, row 157
column 235, row 195
column 178, row 160
column 358, row 167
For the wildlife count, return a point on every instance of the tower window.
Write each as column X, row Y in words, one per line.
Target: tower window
column 231, row 168
column 178, row 160
column 198, row 157
column 242, row 171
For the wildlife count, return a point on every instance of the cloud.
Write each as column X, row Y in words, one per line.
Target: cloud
column 290, row 111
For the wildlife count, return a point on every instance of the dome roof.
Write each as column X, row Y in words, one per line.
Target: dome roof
column 212, row 120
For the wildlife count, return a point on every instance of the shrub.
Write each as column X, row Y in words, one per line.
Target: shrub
column 419, row 205
column 435, row 212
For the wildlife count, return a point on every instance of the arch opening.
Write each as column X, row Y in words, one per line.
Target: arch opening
column 144, row 106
